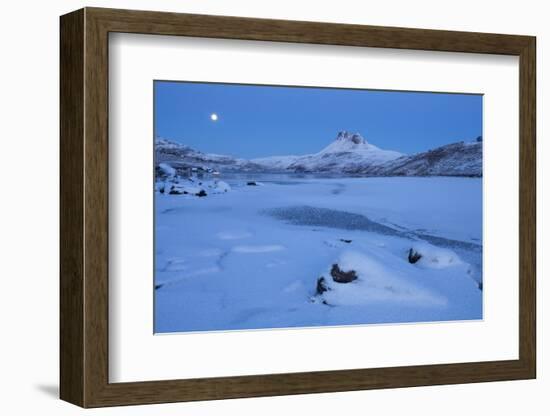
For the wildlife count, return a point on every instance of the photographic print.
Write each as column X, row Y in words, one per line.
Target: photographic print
column 297, row 207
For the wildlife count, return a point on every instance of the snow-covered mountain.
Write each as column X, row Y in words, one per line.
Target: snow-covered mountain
column 456, row 159
column 348, row 153
column 182, row 157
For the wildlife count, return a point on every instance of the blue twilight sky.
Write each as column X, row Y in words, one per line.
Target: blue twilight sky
column 255, row 121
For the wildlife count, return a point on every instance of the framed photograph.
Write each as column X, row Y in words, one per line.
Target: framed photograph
column 255, row 207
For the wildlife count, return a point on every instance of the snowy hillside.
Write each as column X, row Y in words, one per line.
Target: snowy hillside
column 182, row 157
column 348, row 153
column 456, row 159
column 276, row 163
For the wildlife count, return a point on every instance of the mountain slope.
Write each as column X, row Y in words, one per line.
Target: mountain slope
column 182, row 157
column 348, row 153
column 456, row 159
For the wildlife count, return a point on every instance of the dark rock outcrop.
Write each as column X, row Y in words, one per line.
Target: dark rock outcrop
column 177, row 191
column 414, row 256
column 321, row 286
column 340, row 276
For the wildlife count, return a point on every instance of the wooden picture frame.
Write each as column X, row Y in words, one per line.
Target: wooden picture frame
column 84, row 207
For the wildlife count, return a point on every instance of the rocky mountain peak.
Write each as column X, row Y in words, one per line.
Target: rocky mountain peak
column 354, row 138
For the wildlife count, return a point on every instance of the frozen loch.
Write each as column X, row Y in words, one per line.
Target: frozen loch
column 300, row 250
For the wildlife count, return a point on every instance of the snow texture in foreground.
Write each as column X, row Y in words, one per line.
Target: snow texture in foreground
column 251, row 257
column 377, row 283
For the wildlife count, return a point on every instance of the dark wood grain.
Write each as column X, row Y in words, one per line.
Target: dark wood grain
column 71, row 100
column 162, row 23
column 84, row 207
column 528, row 208
column 96, row 207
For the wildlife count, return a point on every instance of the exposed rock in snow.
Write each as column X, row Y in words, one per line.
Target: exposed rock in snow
column 340, row 276
column 321, row 286
column 352, row 142
column 182, row 189
column 414, row 256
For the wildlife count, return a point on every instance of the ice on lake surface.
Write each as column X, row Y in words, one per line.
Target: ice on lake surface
column 324, row 217
column 252, row 257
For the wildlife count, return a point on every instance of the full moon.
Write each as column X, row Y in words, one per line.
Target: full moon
column 213, row 117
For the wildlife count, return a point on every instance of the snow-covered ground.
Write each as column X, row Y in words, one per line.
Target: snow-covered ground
column 252, row 257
